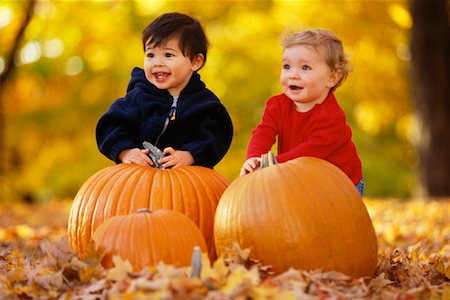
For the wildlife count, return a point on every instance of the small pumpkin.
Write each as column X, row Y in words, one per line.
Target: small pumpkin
column 304, row 213
column 146, row 238
column 122, row 189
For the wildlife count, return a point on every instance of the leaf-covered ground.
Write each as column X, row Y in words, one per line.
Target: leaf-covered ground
column 37, row 263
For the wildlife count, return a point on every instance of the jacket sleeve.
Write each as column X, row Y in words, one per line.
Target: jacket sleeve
column 117, row 129
column 212, row 138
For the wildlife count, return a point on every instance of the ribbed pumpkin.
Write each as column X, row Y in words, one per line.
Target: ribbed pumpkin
column 305, row 214
column 146, row 238
column 125, row 188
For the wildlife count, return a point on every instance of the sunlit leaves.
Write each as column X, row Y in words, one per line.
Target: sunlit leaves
column 414, row 256
column 401, row 16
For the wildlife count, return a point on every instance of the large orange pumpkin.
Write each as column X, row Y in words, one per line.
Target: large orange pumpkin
column 125, row 188
column 146, row 238
column 305, row 214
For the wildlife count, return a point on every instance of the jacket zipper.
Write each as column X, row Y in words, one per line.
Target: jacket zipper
column 170, row 117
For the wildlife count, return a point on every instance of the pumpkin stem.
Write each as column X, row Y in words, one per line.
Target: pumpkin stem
column 143, row 210
column 196, row 268
column 154, row 153
column 268, row 159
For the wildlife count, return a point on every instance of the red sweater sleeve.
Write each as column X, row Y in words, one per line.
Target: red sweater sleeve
column 264, row 135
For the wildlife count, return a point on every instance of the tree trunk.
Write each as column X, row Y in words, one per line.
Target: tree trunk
column 9, row 68
column 430, row 49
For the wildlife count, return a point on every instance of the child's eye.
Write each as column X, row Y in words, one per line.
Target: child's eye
column 306, row 68
column 150, row 55
column 169, row 55
column 286, row 67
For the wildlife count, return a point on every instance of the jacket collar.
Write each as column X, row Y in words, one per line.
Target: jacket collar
column 138, row 79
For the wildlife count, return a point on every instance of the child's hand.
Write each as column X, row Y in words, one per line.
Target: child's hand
column 250, row 165
column 136, row 156
column 176, row 158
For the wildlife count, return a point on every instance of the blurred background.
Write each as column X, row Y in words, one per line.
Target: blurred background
column 64, row 62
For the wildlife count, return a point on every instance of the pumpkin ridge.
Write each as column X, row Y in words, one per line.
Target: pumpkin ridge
column 170, row 224
column 140, row 221
column 269, row 228
column 149, row 180
column 133, row 236
column 321, row 196
column 219, row 181
column 118, row 242
column 125, row 200
column 102, row 203
column 100, row 199
column 90, row 208
column 159, row 196
column 177, row 199
column 284, row 194
column 214, row 195
column 190, row 199
column 139, row 188
column 305, row 188
column 201, row 186
column 170, row 252
column 152, row 241
column 341, row 245
column 74, row 220
column 192, row 235
column 213, row 186
column 108, row 183
column 323, row 172
column 168, row 202
column 290, row 227
column 82, row 200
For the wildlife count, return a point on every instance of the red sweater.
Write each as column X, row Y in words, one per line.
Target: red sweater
column 320, row 132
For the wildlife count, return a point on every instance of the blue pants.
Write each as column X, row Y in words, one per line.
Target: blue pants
column 360, row 187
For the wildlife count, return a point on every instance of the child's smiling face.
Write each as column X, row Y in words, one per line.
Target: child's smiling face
column 305, row 76
column 168, row 68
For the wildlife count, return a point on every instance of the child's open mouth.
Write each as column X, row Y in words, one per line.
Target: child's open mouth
column 161, row 76
column 295, row 87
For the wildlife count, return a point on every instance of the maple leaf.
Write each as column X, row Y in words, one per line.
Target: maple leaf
column 120, row 270
column 241, row 281
column 442, row 260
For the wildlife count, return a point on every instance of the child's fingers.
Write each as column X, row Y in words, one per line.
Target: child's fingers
column 168, row 150
column 248, row 167
column 142, row 160
column 243, row 171
column 253, row 163
column 165, row 159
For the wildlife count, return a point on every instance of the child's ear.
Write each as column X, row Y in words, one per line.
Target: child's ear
column 334, row 78
column 197, row 62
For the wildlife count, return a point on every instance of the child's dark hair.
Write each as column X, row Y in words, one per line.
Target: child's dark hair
column 189, row 30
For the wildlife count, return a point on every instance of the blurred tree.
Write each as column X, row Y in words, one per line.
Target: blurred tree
column 69, row 69
column 8, row 70
column 430, row 47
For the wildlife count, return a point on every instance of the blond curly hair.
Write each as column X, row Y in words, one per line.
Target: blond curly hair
column 335, row 58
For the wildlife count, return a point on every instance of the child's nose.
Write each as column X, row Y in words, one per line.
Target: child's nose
column 157, row 62
column 294, row 74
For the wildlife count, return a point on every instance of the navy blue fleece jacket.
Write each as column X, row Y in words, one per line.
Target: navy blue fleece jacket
column 202, row 125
